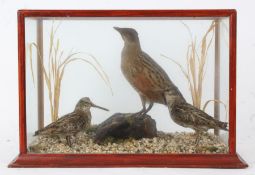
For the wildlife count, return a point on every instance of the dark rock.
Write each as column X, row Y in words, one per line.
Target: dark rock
column 122, row 126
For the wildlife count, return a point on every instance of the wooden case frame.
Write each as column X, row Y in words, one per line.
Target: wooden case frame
column 25, row 159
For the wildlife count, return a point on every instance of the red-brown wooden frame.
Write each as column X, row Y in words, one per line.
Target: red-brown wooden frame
column 25, row 159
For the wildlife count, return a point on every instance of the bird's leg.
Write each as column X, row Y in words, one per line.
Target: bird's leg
column 59, row 138
column 68, row 141
column 148, row 109
column 139, row 113
column 198, row 134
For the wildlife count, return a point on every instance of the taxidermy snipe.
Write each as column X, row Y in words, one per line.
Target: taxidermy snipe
column 186, row 115
column 154, row 86
column 72, row 123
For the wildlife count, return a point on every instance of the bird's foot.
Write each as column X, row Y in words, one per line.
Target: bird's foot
column 140, row 113
column 197, row 142
column 197, row 139
column 68, row 141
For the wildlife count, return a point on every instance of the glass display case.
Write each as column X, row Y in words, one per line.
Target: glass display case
column 127, row 88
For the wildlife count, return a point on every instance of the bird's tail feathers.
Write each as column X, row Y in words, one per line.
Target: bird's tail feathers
column 223, row 125
column 37, row 132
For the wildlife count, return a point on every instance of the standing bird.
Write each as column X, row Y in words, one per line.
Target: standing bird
column 154, row 86
column 186, row 115
column 72, row 123
column 143, row 73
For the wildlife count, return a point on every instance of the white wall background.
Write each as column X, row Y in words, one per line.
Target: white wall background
column 9, row 91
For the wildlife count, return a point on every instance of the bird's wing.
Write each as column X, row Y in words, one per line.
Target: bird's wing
column 157, row 72
column 68, row 118
column 191, row 115
column 158, row 76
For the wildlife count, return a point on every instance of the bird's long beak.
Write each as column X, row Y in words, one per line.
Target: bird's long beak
column 96, row 106
column 118, row 29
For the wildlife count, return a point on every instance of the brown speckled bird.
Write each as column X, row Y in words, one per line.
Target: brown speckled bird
column 186, row 115
column 143, row 73
column 72, row 123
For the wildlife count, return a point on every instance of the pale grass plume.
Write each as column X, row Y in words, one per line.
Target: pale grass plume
column 53, row 73
column 196, row 65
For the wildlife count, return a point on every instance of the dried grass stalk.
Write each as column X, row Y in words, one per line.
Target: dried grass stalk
column 217, row 101
column 54, row 74
column 194, row 60
column 196, row 64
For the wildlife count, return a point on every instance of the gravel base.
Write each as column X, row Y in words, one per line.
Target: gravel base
column 178, row 142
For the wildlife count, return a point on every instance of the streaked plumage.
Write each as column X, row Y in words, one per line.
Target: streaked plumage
column 72, row 123
column 186, row 115
column 142, row 72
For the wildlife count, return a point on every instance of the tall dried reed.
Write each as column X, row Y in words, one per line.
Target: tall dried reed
column 196, row 62
column 57, row 63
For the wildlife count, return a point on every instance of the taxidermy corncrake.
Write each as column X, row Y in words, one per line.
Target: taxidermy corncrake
column 154, row 86
column 72, row 123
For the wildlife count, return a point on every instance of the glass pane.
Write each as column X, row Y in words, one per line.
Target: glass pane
column 181, row 65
